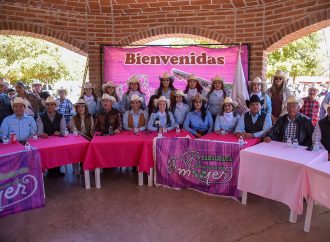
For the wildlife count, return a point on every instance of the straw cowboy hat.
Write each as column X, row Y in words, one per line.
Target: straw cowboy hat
column 19, row 100
column 199, row 96
column 36, row 82
column 136, row 97
column 162, row 99
column 88, row 85
column 51, row 99
column 217, row 78
column 254, row 99
column 229, row 100
column 281, row 73
column 259, row 81
column 133, row 79
column 314, row 86
column 180, row 93
column 294, row 99
column 80, row 101
column 108, row 97
column 166, row 76
column 108, row 84
column 62, row 89
column 192, row 77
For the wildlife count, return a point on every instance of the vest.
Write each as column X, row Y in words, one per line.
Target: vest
column 49, row 126
column 87, row 121
column 250, row 127
column 142, row 121
column 325, row 133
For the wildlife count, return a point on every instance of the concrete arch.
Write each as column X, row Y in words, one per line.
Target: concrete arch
column 45, row 33
column 148, row 35
column 297, row 29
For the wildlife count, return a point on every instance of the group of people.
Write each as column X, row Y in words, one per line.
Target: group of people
column 272, row 114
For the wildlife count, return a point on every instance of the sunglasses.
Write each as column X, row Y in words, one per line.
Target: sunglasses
column 278, row 78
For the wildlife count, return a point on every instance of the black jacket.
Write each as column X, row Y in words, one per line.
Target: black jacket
column 304, row 129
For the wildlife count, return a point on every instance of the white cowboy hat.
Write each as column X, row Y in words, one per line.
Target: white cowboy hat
column 19, row 100
column 199, row 96
column 283, row 74
column 62, row 89
column 88, row 85
column 192, row 77
column 51, row 99
column 166, row 76
column 294, row 99
column 180, row 93
column 136, row 97
column 108, row 97
column 217, row 78
column 80, row 101
column 133, row 79
column 314, row 86
column 229, row 100
column 36, row 82
column 108, row 84
column 162, row 99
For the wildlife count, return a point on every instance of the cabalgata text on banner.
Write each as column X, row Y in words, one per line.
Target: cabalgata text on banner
column 191, row 59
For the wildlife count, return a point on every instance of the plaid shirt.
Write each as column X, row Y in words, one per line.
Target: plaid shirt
column 66, row 109
column 311, row 109
column 290, row 130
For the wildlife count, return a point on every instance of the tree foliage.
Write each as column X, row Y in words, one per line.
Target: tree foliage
column 25, row 59
column 300, row 58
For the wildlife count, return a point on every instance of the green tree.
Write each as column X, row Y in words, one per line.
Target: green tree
column 25, row 58
column 301, row 58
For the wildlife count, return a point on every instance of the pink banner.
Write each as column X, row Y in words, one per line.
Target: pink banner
column 148, row 63
column 210, row 167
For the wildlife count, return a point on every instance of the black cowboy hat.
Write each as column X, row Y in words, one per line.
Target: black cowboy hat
column 254, row 99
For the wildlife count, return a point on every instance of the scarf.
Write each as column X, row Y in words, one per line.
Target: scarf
column 228, row 116
column 192, row 92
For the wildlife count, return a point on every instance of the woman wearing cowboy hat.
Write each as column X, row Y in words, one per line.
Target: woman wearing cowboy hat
column 110, row 88
column 108, row 117
column 83, row 121
column 162, row 118
column 311, row 106
column 65, row 106
column 278, row 94
column 92, row 101
column 292, row 125
column 258, row 87
column 199, row 120
column 192, row 89
column 227, row 121
column 321, row 132
column 133, row 88
column 136, row 118
column 166, row 87
column 180, row 108
column 23, row 125
column 216, row 96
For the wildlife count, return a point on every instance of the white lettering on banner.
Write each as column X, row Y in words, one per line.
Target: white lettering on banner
column 18, row 189
column 191, row 59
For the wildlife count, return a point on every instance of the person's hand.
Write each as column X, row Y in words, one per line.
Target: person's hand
column 238, row 135
column 247, row 135
column 198, row 135
column 267, row 139
column 43, row 135
column 57, row 133
column 117, row 131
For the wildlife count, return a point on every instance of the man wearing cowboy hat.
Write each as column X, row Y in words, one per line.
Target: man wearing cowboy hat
column 34, row 103
column 254, row 123
column 20, row 123
column 65, row 106
column 321, row 133
column 292, row 125
column 108, row 117
column 311, row 106
column 36, row 87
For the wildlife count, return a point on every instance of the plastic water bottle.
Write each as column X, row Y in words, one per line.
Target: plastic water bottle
column 110, row 130
column 177, row 129
column 288, row 142
column 5, row 140
column 241, row 140
column 316, row 146
column 295, row 143
column 27, row 146
column 75, row 132
column 34, row 136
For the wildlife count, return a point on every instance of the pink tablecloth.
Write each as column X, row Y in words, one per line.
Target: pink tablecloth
column 276, row 171
column 10, row 148
column 230, row 138
column 318, row 179
column 57, row 151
